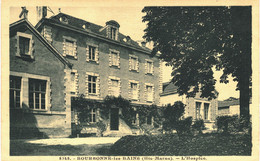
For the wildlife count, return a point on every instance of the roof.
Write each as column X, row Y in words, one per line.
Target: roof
column 227, row 103
column 90, row 28
column 42, row 39
column 169, row 88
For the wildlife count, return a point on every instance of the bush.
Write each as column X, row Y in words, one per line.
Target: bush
column 228, row 124
column 171, row 145
column 183, row 127
column 198, row 126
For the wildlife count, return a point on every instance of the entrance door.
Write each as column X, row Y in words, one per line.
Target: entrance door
column 114, row 118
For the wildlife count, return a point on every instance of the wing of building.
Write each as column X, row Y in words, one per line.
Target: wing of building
column 197, row 107
column 39, row 88
column 85, row 58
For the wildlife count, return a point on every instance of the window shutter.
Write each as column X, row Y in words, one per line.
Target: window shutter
column 146, row 68
column 152, row 68
column 130, row 63
column 86, row 86
column 109, row 86
column 119, row 86
column 75, row 50
column 64, row 47
column 98, row 85
column 145, row 93
column 76, row 83
column 87, row 53
column 97, row 55
column 137, row 64
column 138, row 92
column 129, row 90
column 118, row 59
column 31, row 50
column 110, row 59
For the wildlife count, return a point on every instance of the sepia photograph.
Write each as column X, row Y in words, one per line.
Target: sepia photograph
column 130, row 82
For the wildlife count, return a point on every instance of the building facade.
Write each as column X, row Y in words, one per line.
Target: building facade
column 105, row 63
column 39, row 85
column 197, row 107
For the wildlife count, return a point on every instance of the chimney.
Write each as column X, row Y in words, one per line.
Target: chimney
column 143, row 44
column 24, row 13
column 41, row 12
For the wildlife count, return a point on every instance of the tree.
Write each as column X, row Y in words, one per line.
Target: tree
column 194, row 40
column 173, row 119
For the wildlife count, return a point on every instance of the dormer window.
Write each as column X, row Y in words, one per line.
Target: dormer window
column 112, row 33
column 112, row 29
column 64, row 19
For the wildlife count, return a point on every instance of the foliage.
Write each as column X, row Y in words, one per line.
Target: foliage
column 183, row 127
column 123, row 104
column 171, row 145
column 145, row 111
column 233, row 124
column 193, row 40
column 172, row 115
column 198, row 125
column 102, row 126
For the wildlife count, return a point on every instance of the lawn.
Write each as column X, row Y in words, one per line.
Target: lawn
column 172, row 145
column 23, row 148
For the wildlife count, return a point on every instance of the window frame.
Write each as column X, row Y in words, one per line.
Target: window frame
column 93, row 115
column 30, row 47
column 147, row 92
column 131, row 94
column 136, row 67
column 110, row 81
column 149, row 69
column 114, row 52
column 87, row 93
column 74, row 90
column 34, row 91
column 25, row 89
column 90, row 58
column 15, row 91
column 74, row 46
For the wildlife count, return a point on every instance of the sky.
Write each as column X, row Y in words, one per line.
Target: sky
column 130, row 20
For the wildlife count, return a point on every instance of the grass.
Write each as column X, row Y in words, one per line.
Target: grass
column 205, row 144
column 22, row 148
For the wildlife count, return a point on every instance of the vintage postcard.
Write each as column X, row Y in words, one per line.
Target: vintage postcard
column 130, row 80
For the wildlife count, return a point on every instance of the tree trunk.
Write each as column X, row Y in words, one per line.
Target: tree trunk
column 244, row 98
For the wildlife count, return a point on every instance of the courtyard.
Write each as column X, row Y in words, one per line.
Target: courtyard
column 62, row 146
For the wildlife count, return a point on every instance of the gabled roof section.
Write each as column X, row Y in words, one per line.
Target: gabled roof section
column 92, row 29
column 228, row 102
column 42, row 39
column 169, row 88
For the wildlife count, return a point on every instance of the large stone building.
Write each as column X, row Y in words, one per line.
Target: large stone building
column 105, row 62
column 197, row 107
column 39, row 85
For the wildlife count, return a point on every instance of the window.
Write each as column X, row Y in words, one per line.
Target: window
column 69, row 47
column 206, row 111
column 93, row 115
column 149, row 67
column 92, row 85
column 24, row 45
column 133, row 62
column 15, row 92
column 198, row 106
column 74, row 82
column 134, row 91
column 92, row 53
column 115, row 87
column 37, row 94
column 149, row 90
column 149, row 120
column 114, row 58
column 113, row 33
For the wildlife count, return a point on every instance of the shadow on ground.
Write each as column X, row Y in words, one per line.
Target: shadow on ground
column 22, row 148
